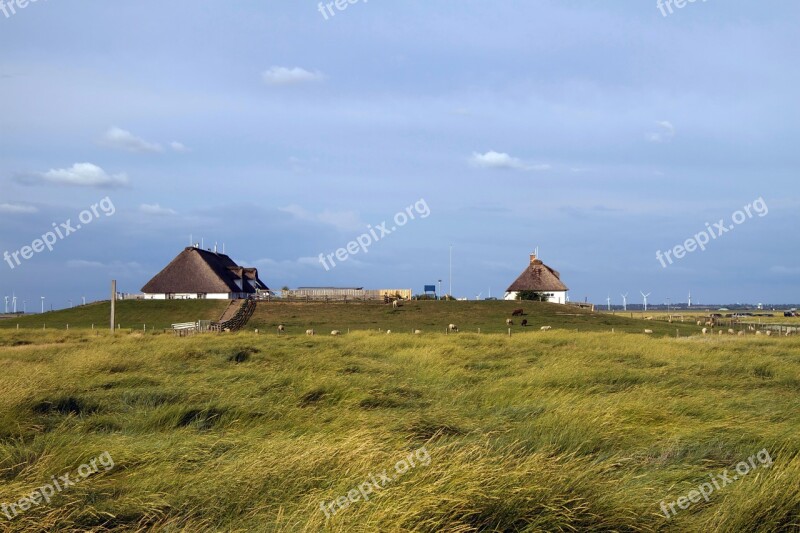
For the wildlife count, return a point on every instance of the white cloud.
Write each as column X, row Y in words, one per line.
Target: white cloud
column 179, row 147
column 492, row 159
column 341, row 220
column 17, row 209
column 79, row 175
column 125, row 140
column 665, row 134
column 156, row 209
column 288, row 76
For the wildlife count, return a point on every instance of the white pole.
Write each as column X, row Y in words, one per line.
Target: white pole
column 451, row 270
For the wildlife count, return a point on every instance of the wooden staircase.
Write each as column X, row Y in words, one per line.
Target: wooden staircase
column 236, row 315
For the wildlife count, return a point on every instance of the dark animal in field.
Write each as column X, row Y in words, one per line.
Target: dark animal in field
column 518, row 312
column 524, row 323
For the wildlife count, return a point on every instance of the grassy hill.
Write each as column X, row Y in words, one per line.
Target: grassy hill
column 428, row 316
column 131, row 314
column 561, row 431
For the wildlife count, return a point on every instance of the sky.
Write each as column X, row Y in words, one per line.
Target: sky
column 600, row 133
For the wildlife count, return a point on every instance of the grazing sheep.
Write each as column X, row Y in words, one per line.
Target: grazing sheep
column 518, row 312
column 395, row 304
column 336, row 333
column 758, row 333
column 545, row 328
column 509, row 322
column 310, row 332
column 720, row 332
column 741, row 333
column 731, row 332
column 281, row 329
column 705, row 331
column 648, row 331
column 648, row 318
column 452, row 327
column 417, row 332
column 388, row 332
column 524, row 322
column 769, row 333
column 699, row 322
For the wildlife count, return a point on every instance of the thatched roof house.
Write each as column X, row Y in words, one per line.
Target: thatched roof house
column 540, row 278
column 200, row 274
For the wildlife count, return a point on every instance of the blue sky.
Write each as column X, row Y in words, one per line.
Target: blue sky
column 599, row 132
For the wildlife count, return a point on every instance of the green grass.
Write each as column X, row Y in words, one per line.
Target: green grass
column 131, row 314
column 428, row 316
column 556, row 431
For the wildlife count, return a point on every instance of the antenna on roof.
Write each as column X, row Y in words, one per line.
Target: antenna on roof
column 202, row 242
column 215, row 247
column 223, row 248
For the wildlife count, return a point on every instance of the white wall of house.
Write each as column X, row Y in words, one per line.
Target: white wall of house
column 556, row 297
column 191, row 296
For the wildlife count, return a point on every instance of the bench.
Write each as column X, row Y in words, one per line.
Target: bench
column 184, row 328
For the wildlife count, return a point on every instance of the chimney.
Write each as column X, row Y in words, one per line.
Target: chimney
column 533, row 257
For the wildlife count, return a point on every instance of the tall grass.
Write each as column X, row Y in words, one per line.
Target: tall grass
column 551, row 432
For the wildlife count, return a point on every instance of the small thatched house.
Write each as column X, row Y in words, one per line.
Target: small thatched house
column 203, row 274
column 542, row 279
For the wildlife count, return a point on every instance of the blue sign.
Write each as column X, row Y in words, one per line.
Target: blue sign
column 430, row 288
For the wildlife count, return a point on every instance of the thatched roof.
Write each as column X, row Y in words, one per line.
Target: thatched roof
column 202, row 271
column 538, row 277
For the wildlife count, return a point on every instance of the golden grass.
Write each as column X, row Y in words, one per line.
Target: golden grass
column 552, row 432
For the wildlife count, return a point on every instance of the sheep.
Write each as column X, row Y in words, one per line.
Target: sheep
column 281, row 329
column 648, row 318
column 524, row 322
column 388, row 332
column 741, row 333
column 648, row 332
column 699, row 322
column 705, row 331
column 545, row 328
column 518, row 312
column 395, row 304
column 452, row 327
column 310, row 332
column 509, row 322
column 720, row 332
column 335, row 333
column 417, row 332
column 731, row 332
column 769, row 333
column 758, row 333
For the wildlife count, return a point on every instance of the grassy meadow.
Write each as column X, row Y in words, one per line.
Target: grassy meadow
column 428, row 316
column 544, row 431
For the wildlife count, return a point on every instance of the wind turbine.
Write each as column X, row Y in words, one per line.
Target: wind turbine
column 624, row 301
column 6, row 311
column 14, row 303
column 645, row 298
column 690, row 298
column 608, row 302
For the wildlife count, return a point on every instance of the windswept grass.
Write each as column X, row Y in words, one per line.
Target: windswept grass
column 560, row 431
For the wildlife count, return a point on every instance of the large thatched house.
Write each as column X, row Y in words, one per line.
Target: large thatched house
column 540, row 278
column 201, row 274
